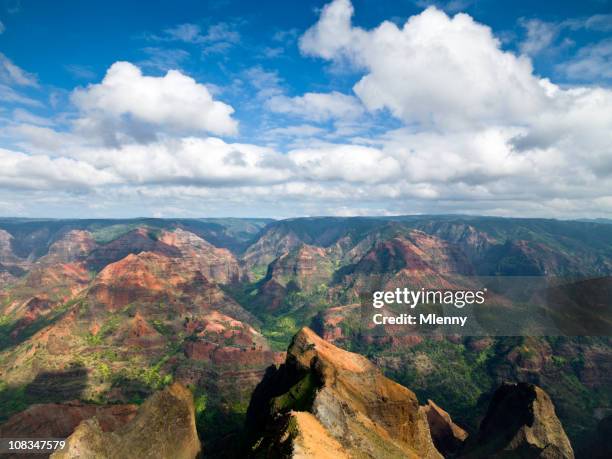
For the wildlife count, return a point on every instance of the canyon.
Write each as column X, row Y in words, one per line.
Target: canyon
column 97, row 316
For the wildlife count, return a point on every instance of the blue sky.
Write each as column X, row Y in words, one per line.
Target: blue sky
column 305, row 108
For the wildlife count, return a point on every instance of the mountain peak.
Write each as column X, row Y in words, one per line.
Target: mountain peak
column 521, row 417
column 350, row 398
column 308, row 347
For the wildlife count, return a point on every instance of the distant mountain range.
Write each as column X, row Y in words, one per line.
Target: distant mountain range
column 111, row 311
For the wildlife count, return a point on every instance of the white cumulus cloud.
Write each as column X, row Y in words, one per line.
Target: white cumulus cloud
column 128, row 99
column 434, row 70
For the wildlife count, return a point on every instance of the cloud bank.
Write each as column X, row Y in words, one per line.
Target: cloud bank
column 473, row 130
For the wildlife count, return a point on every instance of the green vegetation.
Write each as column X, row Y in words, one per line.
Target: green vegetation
column 559, row 361
column 106, row 234
column 108, row 328
column 279, row 331
column 153, row 377
column 104, row 371
column 259, row 272
column 141, row 381
column 200, row 404
column 447, row 373
column 299, row 397
column 219, row 423
column 297, row 310
column 4, row 321
column 162, row 327
column 12, row 400
column 6, row 325
column 200, row 401
column 93, row 340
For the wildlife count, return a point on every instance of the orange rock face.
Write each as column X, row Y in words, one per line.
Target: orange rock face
column 147, row 277
column 368, row 414
column 447, row 436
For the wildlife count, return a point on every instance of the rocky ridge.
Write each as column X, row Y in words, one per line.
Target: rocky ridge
column 164, row 427
column 366, row 413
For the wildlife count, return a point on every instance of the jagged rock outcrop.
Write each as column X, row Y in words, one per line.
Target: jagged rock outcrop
column 349, row 401
column 447, row 436
column 301, row 435
column 520, row 422
column 164, row 427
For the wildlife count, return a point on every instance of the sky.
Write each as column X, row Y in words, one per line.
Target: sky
column 299, row 108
